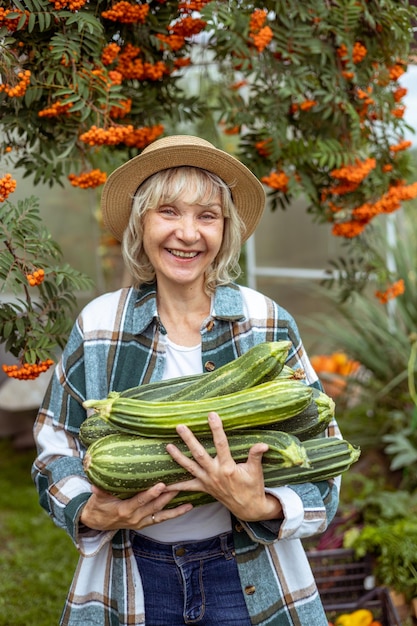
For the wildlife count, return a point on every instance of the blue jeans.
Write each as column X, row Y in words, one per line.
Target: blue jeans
column 191, row 583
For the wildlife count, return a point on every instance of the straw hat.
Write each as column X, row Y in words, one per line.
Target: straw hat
column 247, row 191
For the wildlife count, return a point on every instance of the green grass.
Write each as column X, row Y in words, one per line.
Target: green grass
column 37, row 559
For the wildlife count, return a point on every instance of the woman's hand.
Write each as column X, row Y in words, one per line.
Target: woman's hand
column 239, row 486
column 106, row 512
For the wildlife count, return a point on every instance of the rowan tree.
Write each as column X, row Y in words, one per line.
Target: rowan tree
column 309, row 90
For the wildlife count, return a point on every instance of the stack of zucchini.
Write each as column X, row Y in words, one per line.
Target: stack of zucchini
column 258, row 398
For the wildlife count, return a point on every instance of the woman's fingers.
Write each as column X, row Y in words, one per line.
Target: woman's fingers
column 104, row 511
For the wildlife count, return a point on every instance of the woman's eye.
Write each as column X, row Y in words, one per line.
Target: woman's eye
column 210, row 216
column 166, row 210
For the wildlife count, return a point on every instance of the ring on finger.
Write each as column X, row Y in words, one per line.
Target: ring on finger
column 153, row 518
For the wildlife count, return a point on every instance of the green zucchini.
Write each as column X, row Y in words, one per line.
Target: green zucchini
column 245, row 371
column 96, row 426
column 266, row 403
column 328, row 457
column 310, row 422
column 126, row 464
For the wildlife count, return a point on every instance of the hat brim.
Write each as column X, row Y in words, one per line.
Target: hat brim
column 247, row 191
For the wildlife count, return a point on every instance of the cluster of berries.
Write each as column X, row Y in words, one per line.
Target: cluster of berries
column 27, row 371
column 88, row 180
column 19, row 89
column 7, row 186
column 36, row 278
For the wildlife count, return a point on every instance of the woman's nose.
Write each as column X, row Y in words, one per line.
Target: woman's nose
column 187, row 229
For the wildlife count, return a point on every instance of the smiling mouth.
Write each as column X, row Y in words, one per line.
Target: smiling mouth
column 183, row 255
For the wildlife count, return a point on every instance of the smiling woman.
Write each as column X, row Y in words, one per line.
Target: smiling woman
column 182, row 210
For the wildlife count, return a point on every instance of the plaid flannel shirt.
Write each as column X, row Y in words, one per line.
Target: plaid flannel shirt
column 118, row 342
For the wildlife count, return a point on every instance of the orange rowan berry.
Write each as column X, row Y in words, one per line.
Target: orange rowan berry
column 276, row 180
column 19, row 89
column 27, row 371
column 399, row 93
column 349, row 229
column 356, row 172
column 122, row 109
column 392, row 291
column 88, row 180
column 307, row 104
column 110, row 53
column 263, row 147
column 174, row 41
column 182, row 62
column 127, row 13
column 7, row 186
column 36, row 277
column 359, row 52
column 398, row 112
column 72, row 5
column 402, row 145
column 262, row 38
column 257, row 20
column 56, row 109
column 191, row 5
column 187, row 27
column 12, row 23
column 396, row 71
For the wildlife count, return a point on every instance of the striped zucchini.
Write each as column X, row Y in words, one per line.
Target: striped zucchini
column 328, row 457
column 259, row 364
column 161, row 389
column 312, row 421
column 172, row 388
column 95, row 426
column 126, row 464
column 266, row 403
column 245, row 371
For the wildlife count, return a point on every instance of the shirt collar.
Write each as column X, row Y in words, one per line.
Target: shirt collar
column 227, row 304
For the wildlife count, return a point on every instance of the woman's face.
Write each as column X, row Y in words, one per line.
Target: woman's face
column 182, row 238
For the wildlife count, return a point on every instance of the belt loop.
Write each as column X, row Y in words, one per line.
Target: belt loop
column 226, row 544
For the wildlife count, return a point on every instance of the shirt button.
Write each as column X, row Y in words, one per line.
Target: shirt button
column 250, row 590
column 238, row 527
column 209, row 366
column 180, row 552
column 210, row 325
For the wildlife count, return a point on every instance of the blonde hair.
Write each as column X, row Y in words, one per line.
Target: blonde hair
column 165, row 187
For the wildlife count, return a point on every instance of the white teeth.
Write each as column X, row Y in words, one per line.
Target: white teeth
column 185, row 255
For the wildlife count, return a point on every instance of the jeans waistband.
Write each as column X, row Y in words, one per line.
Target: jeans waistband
column 182, row 552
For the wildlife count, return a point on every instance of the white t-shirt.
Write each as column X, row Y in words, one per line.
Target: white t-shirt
column 203, row 521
